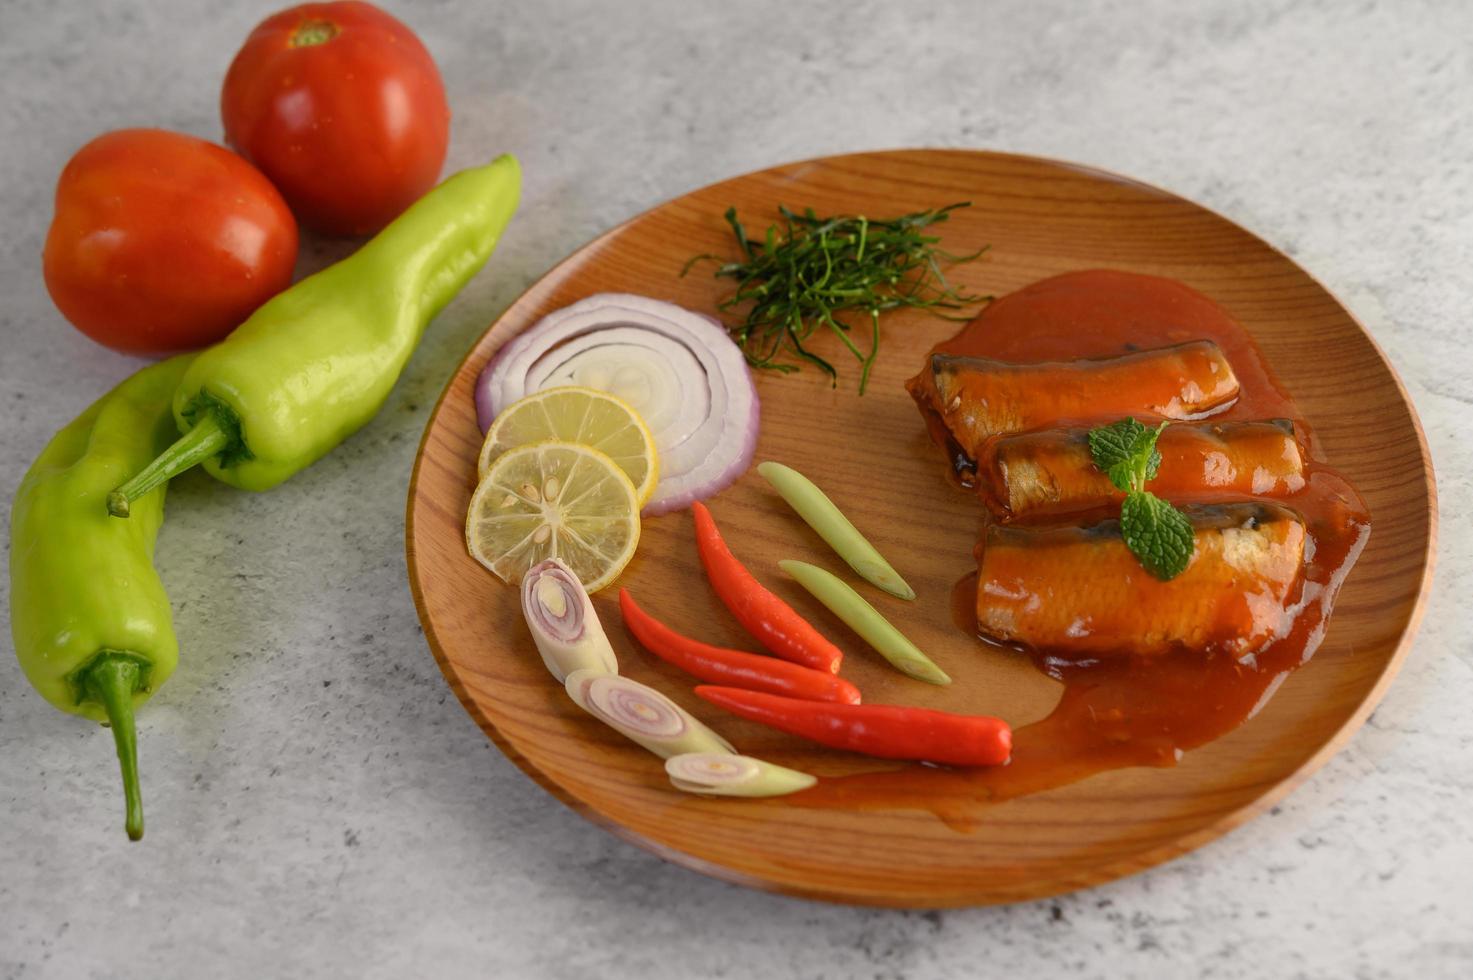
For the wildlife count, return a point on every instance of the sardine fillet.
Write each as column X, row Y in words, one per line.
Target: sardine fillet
column 1079, row 593
column 977, row 398
column 1052, row 471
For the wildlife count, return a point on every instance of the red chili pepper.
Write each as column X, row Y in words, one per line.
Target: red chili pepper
column 773, row 622
column 883, row 730
column 750, row 671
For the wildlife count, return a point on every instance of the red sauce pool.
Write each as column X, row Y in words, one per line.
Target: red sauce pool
column 1127, row 712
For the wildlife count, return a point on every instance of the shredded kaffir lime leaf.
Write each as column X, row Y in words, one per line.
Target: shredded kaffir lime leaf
column 1155, row 532
column 808, row 270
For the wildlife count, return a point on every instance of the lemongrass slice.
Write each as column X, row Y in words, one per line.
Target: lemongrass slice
column 726, row 774
column 642, row 714
column 563, row 623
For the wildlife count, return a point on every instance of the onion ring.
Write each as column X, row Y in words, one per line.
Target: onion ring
column 704, row 422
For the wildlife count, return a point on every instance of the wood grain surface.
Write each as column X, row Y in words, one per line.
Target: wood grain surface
column 872, row 454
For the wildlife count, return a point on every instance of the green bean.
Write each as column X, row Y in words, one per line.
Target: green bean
column 865, row 620
column 820, row 513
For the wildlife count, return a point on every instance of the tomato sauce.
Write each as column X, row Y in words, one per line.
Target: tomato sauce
column 1128, row 711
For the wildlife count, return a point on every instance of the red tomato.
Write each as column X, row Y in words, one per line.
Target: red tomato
column 343, row 108
column 162, row 242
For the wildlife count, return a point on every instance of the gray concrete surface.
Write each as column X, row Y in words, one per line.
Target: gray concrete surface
column 319, row 804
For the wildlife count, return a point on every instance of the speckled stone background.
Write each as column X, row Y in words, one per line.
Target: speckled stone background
column 320, row 805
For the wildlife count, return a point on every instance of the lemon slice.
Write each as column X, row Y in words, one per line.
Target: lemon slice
column 582, row 415
column 554, row 500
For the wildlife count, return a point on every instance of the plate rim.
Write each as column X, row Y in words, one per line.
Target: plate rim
column 1097, row 874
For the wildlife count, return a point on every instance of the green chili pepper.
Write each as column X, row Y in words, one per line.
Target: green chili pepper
column 821, row 514
column 315, row 363
column 88, row 614
column 865, row 620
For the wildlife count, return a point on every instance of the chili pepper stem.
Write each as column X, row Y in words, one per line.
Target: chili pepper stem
column 207, row 438
column 111, row 681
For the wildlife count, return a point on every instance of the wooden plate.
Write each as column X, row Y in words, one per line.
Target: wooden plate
column 1041, row 218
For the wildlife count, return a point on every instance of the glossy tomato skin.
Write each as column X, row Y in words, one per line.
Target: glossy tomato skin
column 343, row 108
column 162, row 242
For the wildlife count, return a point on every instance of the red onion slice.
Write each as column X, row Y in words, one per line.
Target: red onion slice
column 726, row 774
column 692, row 379
column 609, row 360
column 564, row 625
column 642, row 714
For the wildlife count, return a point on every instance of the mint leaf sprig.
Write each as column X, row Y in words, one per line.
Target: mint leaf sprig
column 1154, row 531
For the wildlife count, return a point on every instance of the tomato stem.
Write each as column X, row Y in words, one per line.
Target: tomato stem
column 313, row 32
